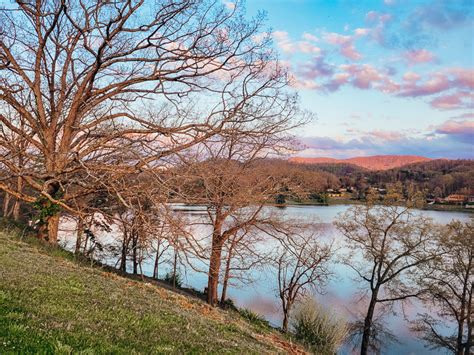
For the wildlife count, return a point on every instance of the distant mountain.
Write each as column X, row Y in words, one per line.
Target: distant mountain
column 376, row 162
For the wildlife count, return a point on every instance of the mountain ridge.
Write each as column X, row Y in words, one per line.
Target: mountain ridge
column 374, row 162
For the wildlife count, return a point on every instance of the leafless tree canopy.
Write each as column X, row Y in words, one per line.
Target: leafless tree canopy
column 92, row 91
column 389, row 244
column 301, row 261
column 449, row 282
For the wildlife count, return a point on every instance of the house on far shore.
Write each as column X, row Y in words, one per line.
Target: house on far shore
column 455, row 198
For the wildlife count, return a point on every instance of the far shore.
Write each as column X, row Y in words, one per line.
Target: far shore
column 335, row 202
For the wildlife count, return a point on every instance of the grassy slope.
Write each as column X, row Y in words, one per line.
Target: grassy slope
column 51, row 304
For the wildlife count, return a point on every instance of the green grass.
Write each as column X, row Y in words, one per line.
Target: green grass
column 50, row 303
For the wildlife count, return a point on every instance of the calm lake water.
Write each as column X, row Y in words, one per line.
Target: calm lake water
column 342, row 294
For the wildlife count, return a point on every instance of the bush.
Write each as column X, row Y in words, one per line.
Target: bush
column 254, row 318
column 173, row 279
column 320, row 330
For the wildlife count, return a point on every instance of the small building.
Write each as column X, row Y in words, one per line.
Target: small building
column 455, row 198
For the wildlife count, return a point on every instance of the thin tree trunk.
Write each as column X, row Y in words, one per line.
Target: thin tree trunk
column 368, row 324
column 134, row 253
column 17, row 205
column 214, row 266
column 285, row 321
column 469, row 322
column 175, row 265
column 80, row 233
column 6, row 204
column 16, row 210
column 462, row 316
column 157, row 262
column 123, row 258
column 226, row 275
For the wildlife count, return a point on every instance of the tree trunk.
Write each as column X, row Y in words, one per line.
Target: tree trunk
column 226, row 275
column 214, row 266
column 16, row 210
column 175, row 266
column 368, row 324
column 157, row 262
column 285, row 321
column 17, row 205
column 469, row 322
column 123, row 258
column 6, row 204
column 48, row 229
column 80, row 233
column 462, row 316
column 53, row 228
column 134, row 253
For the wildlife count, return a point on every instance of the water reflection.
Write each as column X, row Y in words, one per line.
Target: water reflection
column 342, row 293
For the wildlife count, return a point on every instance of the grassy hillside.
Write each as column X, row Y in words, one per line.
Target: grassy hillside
column 50, row 303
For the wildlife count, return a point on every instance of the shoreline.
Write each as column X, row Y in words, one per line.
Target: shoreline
column 439, row 208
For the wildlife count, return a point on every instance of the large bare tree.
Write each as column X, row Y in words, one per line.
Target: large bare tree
column 387, row 245
column 101, row 89
column 302, row 261
column 450, row 286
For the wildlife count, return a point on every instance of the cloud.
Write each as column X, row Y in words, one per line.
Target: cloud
column 377, row 17
column 283, row 40
column 316, row 68
column 229, row 4
column 309, row 37
column 386, row 135
column 458, row 100
column 463, row 77
column 411, row 77
column 462, row 131
column 345, row 43
column 419, row 56
column 447, row 141
column 363, row 76
column 465, row 115
column 435, row 84
column 443, row 14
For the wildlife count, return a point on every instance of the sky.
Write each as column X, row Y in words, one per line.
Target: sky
column 381, row 77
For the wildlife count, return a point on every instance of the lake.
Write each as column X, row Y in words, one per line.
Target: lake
column 341, row 294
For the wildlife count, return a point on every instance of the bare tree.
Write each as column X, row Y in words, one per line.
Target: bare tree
column 242, row 253
column 234, row 195
column 387, row 244
column 302, row 264
column 111, row 88
column 450, row 284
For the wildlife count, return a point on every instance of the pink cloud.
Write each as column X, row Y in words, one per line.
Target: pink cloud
column 345, row 43
column 229, row 4
column 419, row 56
column 316, row 68
column 456, row 127
column 435, row 84
column 363, row 76
column 337, row 81
column 285, row 43
column 411, row 76
column 457, row 100
column 386, row 135
column 463, row 77
column 374, row 16
column 361, row 32
column 309, row 37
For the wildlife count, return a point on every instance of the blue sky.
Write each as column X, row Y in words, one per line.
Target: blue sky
column 383, row 77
